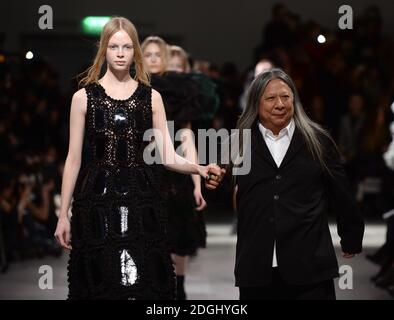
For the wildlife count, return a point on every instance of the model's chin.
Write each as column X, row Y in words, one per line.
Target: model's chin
column 116, row 66
column 154, row 70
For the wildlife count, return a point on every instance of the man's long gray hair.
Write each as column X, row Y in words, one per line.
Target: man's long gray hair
column 309, row 129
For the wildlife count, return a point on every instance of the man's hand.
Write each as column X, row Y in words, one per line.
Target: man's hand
column 347, row 255
column 214, row 179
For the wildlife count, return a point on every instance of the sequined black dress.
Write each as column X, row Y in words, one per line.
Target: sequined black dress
column 119, row 238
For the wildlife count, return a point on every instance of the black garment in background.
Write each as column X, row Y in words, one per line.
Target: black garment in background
column 335, row 103
column 181, row 96
column 182, row 101
column 279, row 290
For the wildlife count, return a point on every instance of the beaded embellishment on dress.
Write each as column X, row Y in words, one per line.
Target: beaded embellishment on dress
column 118, row 226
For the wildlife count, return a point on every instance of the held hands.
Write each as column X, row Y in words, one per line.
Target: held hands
column 213, row 175
column 63, row 233
column 347, row 255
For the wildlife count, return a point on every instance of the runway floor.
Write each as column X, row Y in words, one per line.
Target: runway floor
column 210, row 275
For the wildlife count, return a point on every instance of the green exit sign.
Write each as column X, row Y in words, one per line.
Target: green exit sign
column 93, row 25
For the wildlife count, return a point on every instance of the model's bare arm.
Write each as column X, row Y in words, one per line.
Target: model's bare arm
column 72, row 165
column 170, row 159
column 190, row 153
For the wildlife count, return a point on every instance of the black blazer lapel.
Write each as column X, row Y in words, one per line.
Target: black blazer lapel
column 296, row 143
column 260, row 147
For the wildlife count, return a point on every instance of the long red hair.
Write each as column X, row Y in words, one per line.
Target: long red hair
column 110, row 28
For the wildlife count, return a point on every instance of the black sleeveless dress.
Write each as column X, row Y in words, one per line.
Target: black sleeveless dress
column 118, row 227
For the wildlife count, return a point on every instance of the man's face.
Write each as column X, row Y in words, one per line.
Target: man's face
column 276, row 106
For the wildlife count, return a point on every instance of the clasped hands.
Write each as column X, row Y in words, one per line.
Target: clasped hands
column 214, row 176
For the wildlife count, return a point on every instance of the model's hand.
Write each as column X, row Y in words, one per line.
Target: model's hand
column 207, row 172
column 63, row 232
column 200, row 202
column 347, row 255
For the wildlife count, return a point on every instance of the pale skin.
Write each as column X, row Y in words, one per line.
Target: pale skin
column 118, row 84
column 275, row 112
column 153, row 61
column 153, row 58
column 176, row 64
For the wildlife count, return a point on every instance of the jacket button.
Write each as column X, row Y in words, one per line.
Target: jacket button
column 278, row 176
column 276, row 197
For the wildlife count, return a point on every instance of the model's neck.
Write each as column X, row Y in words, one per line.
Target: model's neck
column 112, row 76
